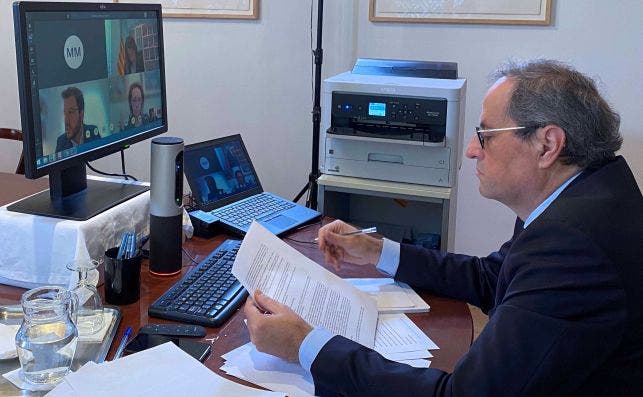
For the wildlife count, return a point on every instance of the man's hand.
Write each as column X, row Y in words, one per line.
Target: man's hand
column 274, row 328
column 359, row 249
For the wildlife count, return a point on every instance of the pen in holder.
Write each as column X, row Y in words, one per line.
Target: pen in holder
column 122, row 277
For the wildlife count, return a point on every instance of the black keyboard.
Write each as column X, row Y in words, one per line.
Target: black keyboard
column 208, row 294
column 256, row 207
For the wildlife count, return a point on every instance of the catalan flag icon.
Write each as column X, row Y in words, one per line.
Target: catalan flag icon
column 121, row 58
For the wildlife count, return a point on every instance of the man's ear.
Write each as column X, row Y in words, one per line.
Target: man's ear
column 551, row 142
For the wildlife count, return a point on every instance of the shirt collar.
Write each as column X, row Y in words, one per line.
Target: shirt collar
column 543, row 206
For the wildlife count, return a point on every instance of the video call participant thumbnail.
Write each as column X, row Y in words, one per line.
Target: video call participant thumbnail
column 136, row 100
column 76, row 131
column 133, row 57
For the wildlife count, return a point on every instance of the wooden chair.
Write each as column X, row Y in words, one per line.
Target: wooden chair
column 16, row 135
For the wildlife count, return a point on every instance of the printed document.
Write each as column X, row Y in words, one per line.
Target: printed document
column 321, row 298
column 163, row 370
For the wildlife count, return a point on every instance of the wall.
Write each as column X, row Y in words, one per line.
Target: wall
column 255, row 77
column 602, row 39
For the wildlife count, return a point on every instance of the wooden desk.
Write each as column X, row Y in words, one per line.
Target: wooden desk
column 449, row 323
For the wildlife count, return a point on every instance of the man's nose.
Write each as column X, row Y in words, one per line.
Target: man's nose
column 474, row 150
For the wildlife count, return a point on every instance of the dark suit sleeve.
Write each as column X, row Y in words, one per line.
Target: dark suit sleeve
column 461, row 277
column 561, row 314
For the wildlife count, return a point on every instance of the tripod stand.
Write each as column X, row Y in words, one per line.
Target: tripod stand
column 311, row 186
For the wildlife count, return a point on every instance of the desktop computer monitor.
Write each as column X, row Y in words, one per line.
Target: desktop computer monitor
column 92, row 81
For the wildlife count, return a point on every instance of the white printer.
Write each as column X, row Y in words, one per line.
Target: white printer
column 383, row 121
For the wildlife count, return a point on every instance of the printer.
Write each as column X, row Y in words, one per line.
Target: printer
column 394, row 120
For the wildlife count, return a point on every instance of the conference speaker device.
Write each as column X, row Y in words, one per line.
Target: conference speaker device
column 166, row 209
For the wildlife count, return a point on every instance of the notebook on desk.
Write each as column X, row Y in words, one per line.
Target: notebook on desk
column 227, row 191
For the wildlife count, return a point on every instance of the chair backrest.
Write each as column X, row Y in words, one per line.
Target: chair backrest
column 16, row 135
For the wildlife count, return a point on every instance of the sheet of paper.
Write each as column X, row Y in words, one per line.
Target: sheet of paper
column 397, row 333
column 417, row 363
column 8, row 341
column 321, row 298
column 17, row 378
column 271, row 372
column 391, row 296
column 163, row 370
column 410, row 355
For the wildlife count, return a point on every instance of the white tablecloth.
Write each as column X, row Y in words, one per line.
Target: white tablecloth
column 34, row 250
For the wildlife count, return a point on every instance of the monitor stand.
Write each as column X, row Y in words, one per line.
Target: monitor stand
column 71, row 196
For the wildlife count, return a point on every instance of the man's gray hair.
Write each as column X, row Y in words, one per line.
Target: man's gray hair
column 551, row 92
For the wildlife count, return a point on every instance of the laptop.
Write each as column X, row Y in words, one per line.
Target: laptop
column 228, row 194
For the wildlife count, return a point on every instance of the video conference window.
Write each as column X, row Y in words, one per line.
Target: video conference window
column 221, row 172
column 97, row 80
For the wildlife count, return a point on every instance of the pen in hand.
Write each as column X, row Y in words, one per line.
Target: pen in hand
column 121, row 346
column 368, row 230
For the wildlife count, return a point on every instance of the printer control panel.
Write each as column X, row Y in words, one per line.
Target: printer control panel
column 394, row 117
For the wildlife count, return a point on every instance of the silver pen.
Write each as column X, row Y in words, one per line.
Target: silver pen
column 368, row 230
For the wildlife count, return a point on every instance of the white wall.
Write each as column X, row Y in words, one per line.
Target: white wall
column 255, row 77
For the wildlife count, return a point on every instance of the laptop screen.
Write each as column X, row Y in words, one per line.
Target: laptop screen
column 220, row 172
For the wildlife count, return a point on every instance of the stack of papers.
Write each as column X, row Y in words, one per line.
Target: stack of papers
column 268, row 371
column 391, row 296
column 397, row 338
column 164, row 370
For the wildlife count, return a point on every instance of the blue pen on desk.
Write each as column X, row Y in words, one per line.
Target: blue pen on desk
column 121, row 346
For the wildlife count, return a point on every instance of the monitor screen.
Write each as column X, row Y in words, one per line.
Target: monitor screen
column 91, row 80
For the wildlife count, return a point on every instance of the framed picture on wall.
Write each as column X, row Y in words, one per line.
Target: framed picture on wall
column 506, row 12
column 229, row 9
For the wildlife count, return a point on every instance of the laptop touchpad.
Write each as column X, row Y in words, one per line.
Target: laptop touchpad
column 281, row 221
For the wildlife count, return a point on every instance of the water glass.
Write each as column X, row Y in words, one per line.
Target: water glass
column 90, row 305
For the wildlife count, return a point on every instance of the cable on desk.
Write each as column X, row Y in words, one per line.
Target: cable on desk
column 190, row 256
column 126, row 176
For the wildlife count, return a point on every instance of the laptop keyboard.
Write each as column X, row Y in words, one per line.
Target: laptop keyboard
column 209, row 294
column 256, row 207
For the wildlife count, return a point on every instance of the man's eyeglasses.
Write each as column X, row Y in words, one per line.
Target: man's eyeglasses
column 481, row 132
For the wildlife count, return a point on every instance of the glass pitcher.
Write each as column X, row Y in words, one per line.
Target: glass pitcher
column 47, row 339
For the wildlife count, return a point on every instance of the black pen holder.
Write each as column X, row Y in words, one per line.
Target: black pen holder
column 122, row 278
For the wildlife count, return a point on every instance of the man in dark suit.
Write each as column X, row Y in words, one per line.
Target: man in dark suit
column 564, row 295
column 76, row 131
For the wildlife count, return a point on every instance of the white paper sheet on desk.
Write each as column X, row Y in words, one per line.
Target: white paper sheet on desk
column 271, row 372
column 416, row 363
column 163, row 370
column 397, row 339
column 321, row 298
column 391, row 296
column 8, row 341
column 397, row 333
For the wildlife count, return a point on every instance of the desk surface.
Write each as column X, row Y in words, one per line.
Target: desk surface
column 449, row 323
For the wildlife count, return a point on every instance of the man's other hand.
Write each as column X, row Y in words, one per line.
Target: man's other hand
column 360, row 249
column 274, row 328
